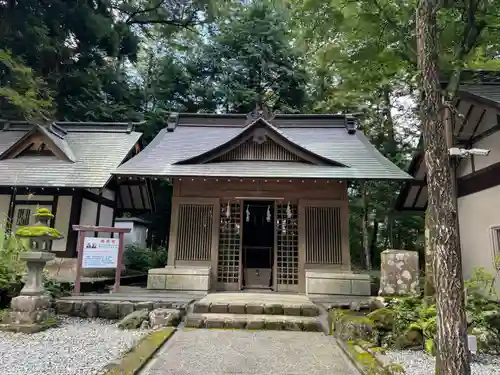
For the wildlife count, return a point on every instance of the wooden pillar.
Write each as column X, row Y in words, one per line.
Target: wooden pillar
column 302, row 245
column 215, row 241
column 174, row 225
column 344, row 225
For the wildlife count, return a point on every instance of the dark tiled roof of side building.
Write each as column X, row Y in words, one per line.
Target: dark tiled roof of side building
column 93, row 151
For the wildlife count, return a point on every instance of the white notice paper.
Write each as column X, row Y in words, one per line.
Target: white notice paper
column 100, row 252
column 472, row 343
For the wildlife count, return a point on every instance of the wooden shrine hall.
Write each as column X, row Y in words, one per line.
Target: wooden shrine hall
column 260, row 201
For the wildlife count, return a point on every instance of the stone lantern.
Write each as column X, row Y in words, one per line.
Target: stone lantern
column 30, row 311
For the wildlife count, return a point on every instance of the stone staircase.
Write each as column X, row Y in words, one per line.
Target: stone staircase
column 255, row 311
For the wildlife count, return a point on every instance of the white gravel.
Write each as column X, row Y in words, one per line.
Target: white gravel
column 77, row 346
column 416, row 362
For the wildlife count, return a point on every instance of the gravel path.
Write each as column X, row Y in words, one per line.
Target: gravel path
column 224, row 352
column 76, row 347
column 416, row 362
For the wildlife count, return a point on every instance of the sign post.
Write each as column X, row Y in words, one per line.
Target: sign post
column 99, row 252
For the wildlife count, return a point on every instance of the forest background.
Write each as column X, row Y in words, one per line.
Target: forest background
column 139, row 60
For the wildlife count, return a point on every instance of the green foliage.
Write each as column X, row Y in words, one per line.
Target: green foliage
column 22, row 93
column 56, row 289
column 408, row 321
column 142, row 259
column 253, row 58
column 12, row 268
column 483, row 282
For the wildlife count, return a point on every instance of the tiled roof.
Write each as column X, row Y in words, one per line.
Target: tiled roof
column 489, row 92
column 97, row 150
column 324, row 135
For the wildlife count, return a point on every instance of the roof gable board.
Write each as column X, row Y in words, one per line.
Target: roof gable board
column 261, row 131
column 39, row 135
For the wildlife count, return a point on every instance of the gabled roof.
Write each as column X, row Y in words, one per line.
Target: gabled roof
column 246, row 132
column 51, row 135
column 331, row 139
column 90, row 152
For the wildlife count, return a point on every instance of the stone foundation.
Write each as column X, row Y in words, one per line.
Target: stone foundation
column 64, row 269
column 112, row 310
column 324, row 282
column 181, row 278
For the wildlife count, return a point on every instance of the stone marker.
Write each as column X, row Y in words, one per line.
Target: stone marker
column 31, row 311
column 399, row 273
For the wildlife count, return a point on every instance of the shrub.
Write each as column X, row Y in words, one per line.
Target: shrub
column 142, row 259
column 56, row 289
column 12, row 268
column 407, row 321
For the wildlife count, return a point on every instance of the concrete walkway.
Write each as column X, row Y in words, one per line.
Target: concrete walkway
column 225, row 352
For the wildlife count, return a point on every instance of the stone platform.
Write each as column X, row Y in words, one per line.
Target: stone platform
column 255, row 311
column 119, row 304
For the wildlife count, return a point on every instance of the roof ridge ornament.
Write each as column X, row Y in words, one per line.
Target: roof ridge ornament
column 259, row 112
column 350, row 123
column 172, row 121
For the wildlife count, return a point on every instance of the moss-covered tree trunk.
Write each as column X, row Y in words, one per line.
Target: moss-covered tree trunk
column 452, row 354
column 429, row 287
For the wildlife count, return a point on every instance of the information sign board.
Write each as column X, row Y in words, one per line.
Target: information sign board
column 100, row 252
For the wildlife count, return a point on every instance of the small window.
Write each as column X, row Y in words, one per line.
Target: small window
column 495, row 236
column 23, row 216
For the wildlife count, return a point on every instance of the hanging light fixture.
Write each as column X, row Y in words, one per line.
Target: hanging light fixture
column 268, row 215
column 288, row 211
column 248, row 213
column 228, row 210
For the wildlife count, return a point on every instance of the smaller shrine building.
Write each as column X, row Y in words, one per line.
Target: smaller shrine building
column 260, row 201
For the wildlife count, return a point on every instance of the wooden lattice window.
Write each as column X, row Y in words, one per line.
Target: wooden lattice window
column 36, row 149
column 287, row 271
column 23, row 217
column 194, row 236
column 228, row 267
column 252, row 150
column 323, row 235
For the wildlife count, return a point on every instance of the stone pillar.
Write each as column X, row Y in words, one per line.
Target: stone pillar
column 31, row 311
column 399, row 273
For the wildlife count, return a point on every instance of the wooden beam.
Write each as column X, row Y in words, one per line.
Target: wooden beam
column 95, row 228
column 74, row 218
column 479, row 121
column 131, row 197
column 98, row 214
column 98, row 199
column 485, row 134
column 10, row 212
column 465, row 120
column 29, row 202
column 480, row 180
column 143, row 199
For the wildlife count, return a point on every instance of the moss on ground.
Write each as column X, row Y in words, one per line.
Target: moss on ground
column 367, row 361
column 139, row 355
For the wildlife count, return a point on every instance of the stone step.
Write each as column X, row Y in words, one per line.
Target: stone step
column 254, row 322
column 265, row 308
column 111, row 309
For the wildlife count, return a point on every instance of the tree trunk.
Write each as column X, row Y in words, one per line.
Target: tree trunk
column 364, row 227
column 429, row 287
column 452, row 354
